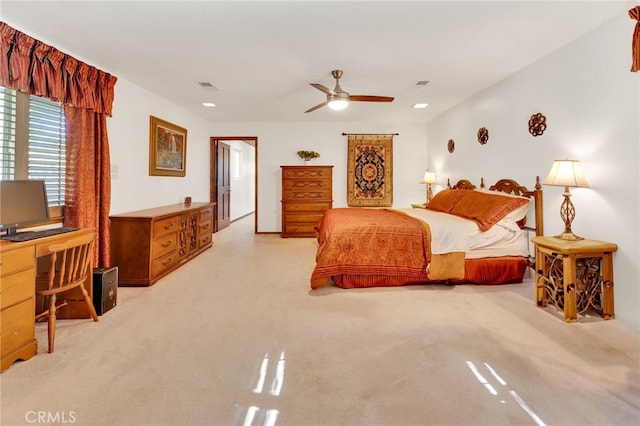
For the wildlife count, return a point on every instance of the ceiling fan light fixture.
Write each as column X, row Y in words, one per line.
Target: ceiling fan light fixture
column 338, row 104
column 339, row 101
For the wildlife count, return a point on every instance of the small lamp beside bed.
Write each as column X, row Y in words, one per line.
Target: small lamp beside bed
column 567, row 173
column 429, row 179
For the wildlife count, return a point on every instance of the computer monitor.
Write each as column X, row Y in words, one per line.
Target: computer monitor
column 22, row 202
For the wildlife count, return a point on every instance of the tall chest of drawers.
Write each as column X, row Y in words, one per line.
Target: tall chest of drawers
column 306, row 194
column 148, row 244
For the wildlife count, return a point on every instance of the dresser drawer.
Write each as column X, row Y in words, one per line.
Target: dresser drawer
column 306, row 184
column 17, row 326
column 311, row 195
column 306, row 229
column 306, row 172
column 164, row 263
column 206, row 227
column 206, row 214
column 204, row 240
column 17, row 287
column 164, row 244
column 311, row 218
column 165, row 226
column 16, row 260
column 306, row 207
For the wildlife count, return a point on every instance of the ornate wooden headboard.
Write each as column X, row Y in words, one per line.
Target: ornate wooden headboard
column 510, row 186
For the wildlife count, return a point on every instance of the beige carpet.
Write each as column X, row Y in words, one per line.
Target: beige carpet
column 236, row 337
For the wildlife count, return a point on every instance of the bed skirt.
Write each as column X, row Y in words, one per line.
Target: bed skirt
column 486, row 271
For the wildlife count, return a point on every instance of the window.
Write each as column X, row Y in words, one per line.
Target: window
column 8, row 133
column 33, row 143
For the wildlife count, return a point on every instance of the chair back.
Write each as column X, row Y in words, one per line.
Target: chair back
column 70, row 264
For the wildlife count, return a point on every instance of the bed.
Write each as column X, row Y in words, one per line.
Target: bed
column 464, row 235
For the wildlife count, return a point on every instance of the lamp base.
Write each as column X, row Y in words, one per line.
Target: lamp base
column 568, row 236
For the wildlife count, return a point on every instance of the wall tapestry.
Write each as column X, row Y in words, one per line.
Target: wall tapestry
column 370, row 171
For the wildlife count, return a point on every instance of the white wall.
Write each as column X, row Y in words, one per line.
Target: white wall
column 243, row 178
column 134, row 189
column 131, row 186
column 591, row 102
column 279, row 142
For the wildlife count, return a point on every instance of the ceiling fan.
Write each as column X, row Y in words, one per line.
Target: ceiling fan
column 338, row 99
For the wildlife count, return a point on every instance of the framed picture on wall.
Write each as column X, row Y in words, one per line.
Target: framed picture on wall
column 167, row 148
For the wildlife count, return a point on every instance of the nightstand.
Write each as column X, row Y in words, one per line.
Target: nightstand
column 575, row 276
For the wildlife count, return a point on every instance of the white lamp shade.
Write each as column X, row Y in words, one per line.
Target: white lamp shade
column 429, row 177
column 566, row 173
column 338, row 104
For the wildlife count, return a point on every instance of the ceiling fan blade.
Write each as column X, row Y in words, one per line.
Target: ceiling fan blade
column 368, row 98
column 316, row 107
column 323, row 89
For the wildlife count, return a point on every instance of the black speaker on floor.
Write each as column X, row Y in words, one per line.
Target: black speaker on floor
column 105, row 289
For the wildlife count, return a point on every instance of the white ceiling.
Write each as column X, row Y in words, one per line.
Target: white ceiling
column 262, row 55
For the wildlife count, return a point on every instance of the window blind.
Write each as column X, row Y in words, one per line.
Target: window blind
column 32, row 141
column 7, row 133
column 47, row 150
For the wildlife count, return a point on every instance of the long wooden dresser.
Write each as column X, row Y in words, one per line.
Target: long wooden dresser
column 148, row 244
column 306, row 194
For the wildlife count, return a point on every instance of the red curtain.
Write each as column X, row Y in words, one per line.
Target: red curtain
column 635, row 43
column 88, row 181
column 36, row 68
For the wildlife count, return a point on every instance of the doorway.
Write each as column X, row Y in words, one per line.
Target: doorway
column 228, row 168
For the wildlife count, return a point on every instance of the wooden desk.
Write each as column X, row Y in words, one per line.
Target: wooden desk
column 575, row 276
column 19, row 264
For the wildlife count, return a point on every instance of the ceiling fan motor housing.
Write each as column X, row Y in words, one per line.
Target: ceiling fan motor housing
column 338, row 96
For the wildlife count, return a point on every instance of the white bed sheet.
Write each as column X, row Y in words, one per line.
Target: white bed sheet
column 450, row 233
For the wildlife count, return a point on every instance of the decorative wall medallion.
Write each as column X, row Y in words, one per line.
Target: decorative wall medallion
column 483, row 135
column 537, row 124
column 451, row 145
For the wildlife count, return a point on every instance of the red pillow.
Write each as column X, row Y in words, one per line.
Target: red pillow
column 485, row 209
column 445, row 200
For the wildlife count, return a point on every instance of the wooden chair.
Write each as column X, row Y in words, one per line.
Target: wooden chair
column 69, row 268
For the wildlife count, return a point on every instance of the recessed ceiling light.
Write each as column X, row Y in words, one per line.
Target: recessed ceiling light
column 208, row 104
column 418, row 106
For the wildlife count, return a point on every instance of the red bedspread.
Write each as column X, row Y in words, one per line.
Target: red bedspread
column 361, row 247
column 371, row 242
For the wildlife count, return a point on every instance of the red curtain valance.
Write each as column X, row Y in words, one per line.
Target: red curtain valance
column 33, row 67
column 635, row 43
